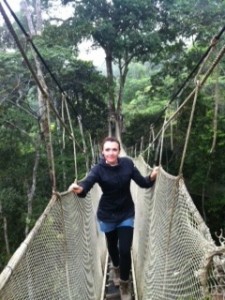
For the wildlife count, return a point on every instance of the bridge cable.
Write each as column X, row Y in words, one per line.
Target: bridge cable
column 42, row 90
column 45, row 94
column 212, row 44
column 200, row 85
column 29, row 39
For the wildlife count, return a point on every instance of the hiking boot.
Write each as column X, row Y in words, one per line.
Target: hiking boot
column 125, row 291
column 116, row 276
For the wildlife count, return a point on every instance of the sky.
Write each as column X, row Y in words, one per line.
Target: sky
column 14, row 4
column 86, row 52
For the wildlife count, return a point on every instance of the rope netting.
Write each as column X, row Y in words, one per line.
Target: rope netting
column 174, row 256
column 63, row 257
column 173, row 252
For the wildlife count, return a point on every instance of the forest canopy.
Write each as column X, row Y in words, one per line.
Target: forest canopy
column 150, row 49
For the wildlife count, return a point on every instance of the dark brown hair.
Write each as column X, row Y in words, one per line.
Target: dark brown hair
column 110, row 139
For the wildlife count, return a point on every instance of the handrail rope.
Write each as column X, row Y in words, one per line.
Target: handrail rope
column 64, row 99
column 202, row 82
column 189, row 127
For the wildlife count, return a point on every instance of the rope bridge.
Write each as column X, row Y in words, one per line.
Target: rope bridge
column 64, row 256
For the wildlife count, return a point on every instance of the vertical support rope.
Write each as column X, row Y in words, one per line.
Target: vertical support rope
column 73, row 137
column 50, row 150
column 151, row 138
column 162, row 139
column 63, row 132
column 215, row 121
column 202, row 82
column 92, row 149
column 189, row 127
column 198, row 86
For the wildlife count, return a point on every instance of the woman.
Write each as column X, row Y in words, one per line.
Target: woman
column 116, row 208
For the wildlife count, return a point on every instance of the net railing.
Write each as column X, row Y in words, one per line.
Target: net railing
column 173, row 252
column 64, row 256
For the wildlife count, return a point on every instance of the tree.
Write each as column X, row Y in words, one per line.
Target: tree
column 126, row 30
column 25, row 186
column 142, row 30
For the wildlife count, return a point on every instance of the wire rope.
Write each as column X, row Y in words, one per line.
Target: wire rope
column 200, row 85
column 64, row 99
column 189, row 128
column 194, row 70
column 29, row 39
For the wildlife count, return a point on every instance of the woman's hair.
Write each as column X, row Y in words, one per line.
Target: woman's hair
column 110, row 139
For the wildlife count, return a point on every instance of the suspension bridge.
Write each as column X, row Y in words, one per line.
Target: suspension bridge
column 65, row 257
column 173, row 254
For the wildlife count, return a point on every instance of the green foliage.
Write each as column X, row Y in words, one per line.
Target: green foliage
column 159, row 33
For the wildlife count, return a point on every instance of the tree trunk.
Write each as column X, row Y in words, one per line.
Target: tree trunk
column 5, row 230
column 84, row 142
column 123, row 69
column 115, row 108
column 111, row 99
column 31, row 192
column 28, row 14
column 44, row 111
column 38, row 17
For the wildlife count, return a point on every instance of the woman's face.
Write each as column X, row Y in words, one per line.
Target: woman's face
column 111, row 152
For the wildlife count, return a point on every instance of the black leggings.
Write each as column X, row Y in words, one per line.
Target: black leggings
column 119, row 242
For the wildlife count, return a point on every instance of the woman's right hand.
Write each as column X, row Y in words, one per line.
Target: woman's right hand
column 154, row 173
column 75, row 188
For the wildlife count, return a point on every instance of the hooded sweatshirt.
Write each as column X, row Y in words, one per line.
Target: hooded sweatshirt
column 116, row 203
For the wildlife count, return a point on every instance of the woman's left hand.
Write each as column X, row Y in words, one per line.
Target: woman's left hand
column 154, row 173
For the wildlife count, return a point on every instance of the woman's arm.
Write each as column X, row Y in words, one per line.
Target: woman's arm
column 85, row 185
column 145, row 182
column 75, row 188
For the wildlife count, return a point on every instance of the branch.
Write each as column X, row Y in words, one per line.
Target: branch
column 31, row 113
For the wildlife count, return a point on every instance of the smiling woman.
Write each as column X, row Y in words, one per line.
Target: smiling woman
column 110, row 152
column 116, row 209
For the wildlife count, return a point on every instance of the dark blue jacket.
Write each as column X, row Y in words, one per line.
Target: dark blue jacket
column 116, row 203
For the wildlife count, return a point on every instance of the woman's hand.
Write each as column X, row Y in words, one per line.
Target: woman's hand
column 154, row 173
column 75, row 188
